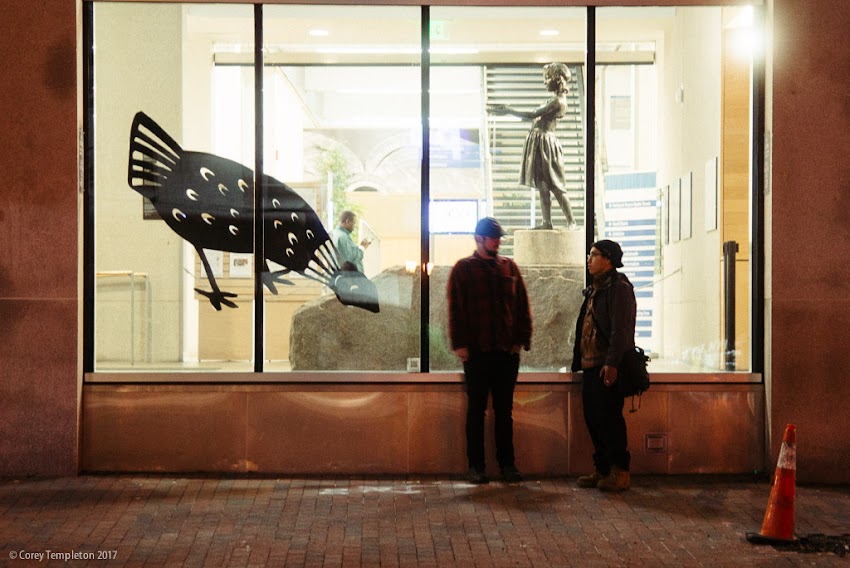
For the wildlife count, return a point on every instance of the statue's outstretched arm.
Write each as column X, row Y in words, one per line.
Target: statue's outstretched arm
column 552, row 106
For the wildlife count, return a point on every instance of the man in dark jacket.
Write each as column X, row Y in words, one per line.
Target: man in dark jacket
column 605, row 330
column 489, row 323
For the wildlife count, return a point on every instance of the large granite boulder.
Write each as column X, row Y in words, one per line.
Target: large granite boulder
column 327, row 335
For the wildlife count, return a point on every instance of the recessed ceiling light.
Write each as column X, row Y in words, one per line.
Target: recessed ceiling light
column 549, row 33
column 319, row 32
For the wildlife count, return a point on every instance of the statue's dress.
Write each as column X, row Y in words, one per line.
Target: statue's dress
column 542, row 165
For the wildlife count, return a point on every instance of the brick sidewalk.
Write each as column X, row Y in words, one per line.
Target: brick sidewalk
column 139, row 520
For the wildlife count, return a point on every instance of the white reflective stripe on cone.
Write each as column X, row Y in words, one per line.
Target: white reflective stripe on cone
column 787, row 457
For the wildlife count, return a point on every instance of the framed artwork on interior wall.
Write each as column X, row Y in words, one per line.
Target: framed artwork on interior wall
column 711, row 195
column 241, row 265
column 675, row 211
column 686, row 206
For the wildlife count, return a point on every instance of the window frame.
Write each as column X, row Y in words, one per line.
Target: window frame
column 757, row 221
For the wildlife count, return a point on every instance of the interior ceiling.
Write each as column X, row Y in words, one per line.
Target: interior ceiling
column 497, row 29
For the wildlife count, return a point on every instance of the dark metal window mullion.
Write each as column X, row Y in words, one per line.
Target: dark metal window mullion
column 590, row 133
column 425, row 198
column 757, row 205
column 89, row 268
column 259, row 192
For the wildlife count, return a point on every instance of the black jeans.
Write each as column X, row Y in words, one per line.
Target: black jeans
column 485, row 373
column 603, row 415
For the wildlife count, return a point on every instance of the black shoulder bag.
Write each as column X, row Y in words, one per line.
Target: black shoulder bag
column 632, row 374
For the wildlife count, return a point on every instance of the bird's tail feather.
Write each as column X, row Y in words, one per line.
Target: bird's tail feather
column 153, row 155
column 323, row 265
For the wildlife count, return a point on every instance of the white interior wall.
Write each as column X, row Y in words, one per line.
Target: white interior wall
column 138, row 67
column 689, row 136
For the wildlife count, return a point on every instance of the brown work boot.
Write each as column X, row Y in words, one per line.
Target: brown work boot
column 590, row 481
column 617, row 480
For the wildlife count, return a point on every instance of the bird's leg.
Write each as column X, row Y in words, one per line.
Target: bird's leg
column 216, row 297
column 269, row 278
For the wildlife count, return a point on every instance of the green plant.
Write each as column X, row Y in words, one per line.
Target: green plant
column 333, row 162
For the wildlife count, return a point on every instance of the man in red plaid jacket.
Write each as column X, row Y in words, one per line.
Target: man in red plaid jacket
column 489, row 323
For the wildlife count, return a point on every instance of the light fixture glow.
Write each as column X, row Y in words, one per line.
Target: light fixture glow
column 744, row 19
column 367, row 50
column 393, row 50
column 550, row 33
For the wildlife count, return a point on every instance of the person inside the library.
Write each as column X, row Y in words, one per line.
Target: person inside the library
column 341, row 237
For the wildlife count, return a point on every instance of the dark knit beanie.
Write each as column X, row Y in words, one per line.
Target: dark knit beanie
column 610, row 250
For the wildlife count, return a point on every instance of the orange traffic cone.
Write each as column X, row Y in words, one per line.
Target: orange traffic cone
column 778, row 525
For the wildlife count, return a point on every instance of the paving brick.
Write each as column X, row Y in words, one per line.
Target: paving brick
column 149, row 520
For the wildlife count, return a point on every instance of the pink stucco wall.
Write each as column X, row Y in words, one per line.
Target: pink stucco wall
column 38, row 238
column 811, row 235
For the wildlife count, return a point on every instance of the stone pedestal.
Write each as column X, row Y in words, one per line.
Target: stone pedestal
column 541, row 247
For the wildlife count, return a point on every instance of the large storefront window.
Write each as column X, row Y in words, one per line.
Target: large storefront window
column 487, row 79
column 343, row 126
column 159, row 165
column 673, row 176
column 188, row 235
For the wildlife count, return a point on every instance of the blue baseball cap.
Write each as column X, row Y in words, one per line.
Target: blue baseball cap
column 489, row 227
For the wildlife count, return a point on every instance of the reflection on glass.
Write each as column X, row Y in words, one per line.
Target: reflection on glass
column 664, row 127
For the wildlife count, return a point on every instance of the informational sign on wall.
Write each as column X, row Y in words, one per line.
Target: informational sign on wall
column 631, row 218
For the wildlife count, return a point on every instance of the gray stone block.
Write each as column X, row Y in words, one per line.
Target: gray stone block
column 327, row 335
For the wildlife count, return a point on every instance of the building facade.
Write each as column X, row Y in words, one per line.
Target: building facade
column 65, row 410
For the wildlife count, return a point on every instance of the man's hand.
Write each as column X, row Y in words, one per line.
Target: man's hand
column 609, row 375
column 462, row 353
column 365, row 243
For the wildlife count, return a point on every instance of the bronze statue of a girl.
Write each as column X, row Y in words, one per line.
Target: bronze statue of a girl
column 542, row 157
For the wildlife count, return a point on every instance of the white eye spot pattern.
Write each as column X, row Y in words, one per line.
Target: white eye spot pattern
column 310, row 234
column 233, row 230
column 234, row 213
column 294, row 217
column 192, row 194
column 206, row 172
column 278, row 223
column 208, row 219
column 242, row 185
column 222, row 188
column 292, row 238
column 177, row 214
column 276, row 203
column 290, row 252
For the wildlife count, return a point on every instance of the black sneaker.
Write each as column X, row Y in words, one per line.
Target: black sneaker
column 476, row 476
column 511, row 474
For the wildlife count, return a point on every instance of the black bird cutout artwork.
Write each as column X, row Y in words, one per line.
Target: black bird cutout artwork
column 209, row 201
